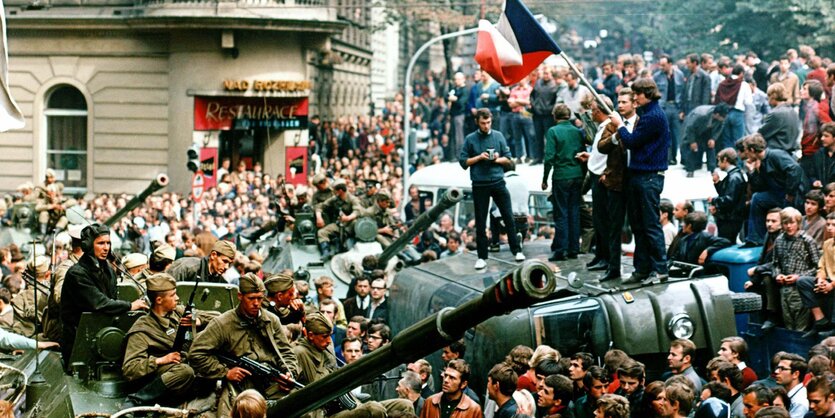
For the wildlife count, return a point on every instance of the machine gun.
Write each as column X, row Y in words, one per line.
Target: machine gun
column 183, row 332
column 263, row 370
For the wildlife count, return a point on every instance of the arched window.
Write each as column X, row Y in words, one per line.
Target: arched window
column 66, row 136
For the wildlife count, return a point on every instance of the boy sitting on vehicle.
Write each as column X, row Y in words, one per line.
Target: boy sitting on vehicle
column 795, row 254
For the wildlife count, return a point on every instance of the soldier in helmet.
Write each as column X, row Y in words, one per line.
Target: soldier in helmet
column 23, row 303
column 283, row 298
column 149, row 356
column 248, row 330
column 386, row 223
column 341, row 208
column 135, row 263
column 300, row 203
column 323, row 191
column 160, row 260
column 205, row 269
column 50, row 207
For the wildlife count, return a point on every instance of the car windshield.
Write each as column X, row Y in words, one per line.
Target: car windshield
column 573, row 325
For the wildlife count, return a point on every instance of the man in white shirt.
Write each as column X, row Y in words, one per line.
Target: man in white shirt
column 789, row 373
column 596, row 162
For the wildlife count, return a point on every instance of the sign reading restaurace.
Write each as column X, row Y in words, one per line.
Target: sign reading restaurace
column 227, row 113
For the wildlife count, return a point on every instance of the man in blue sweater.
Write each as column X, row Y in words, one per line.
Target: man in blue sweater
column 649, row 144
column 486, row 154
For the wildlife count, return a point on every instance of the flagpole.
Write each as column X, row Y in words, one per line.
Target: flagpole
column 585, row 82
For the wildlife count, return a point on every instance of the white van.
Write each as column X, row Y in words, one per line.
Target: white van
column 434, row 180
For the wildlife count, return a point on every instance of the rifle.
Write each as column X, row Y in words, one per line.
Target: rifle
column 263, row 370
column 183, row 331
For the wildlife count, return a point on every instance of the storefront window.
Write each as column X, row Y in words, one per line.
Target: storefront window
column 66, row 137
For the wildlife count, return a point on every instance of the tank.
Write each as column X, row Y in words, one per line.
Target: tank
column 518, row 288
column 302, row 254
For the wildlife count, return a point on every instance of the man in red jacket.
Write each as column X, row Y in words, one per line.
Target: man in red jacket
column 451, row 401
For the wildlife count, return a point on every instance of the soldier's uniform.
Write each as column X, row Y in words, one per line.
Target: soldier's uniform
column 52, row 321
column 162, row 253
column 151, row 337
column 383, row 217
column 320, row 196
column 134, row 260
column 50, row 194
column 23, row 303
column 190, row 269
column 236, row 335
column 369, row 198
column 281, row 283
column 331, row 209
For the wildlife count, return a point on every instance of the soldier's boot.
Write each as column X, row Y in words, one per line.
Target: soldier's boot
column 147, row 395
column 325, row 249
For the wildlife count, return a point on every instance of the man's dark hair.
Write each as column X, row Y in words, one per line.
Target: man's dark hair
column 561, row 112
column 728, row 154
column 664, row 57
column 613, row 359
column 595, row 373
column 156, row 263
column 798, row 363
column 705, row 58
column 697, row 221
column 721, row 109
column 693, row 58
column 815, row 89
column 632, row 368
column 454, row 236
column 665, row 206
column 687, row 348
column 483, row 113
column 548, row 367
column 817, row 197
column 647, row 87
column 563, row 388
column 732, row 373
column 518, row 358
column 363, row 279
column 383, row 329
column 458, row 347
column 5, row 295
column 772, row 412
column 585, row 359
column 822, row 384
column 719, row 390
column 461, row 367
column 360, row 320
column 348, row 340
column 504, row 375
column 738, row 69
column 754, row 142
column 761, row 393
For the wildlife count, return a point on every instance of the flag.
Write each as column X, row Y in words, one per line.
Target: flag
column 10, row 116
column 512, row 48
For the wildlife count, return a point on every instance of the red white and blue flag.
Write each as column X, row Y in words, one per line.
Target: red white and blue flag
column 512, row 48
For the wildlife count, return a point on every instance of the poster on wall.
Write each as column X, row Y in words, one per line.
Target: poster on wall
column 208, row 164
column 296, row 172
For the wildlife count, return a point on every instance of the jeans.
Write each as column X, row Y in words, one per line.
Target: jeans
column 761, row 203
column 523, row 134
column 733, row 129
column 672, row 111
column 481, row 203
column 693, row 160
column 644, row 196
column 541, row 124
column 599, row 218
column 566, row 198
column 615, row 213
column 729, row 229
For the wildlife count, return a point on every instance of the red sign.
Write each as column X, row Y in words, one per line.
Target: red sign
column 227, row 113
column 296, row 172
column 208, row 165
column 198, row 181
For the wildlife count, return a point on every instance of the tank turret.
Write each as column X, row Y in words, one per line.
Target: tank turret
column 158, row 183
column 523, row 286
column 422, row 222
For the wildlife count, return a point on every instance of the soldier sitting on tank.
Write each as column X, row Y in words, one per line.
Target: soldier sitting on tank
column 150, row 361
column 160, row 260
column 372, row 189
column 90, row 286
column 323, row 190
column 387, row 225
column 135, row 263
column 317, row 360
column 694, row 245
column 50, row 208
column 283, row 298
column 6, row 310
column 248, row 330
column 23, row 303
column 340, row 210
column 205, row 269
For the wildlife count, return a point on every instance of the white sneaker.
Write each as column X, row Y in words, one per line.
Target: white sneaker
column 480, row 264
column 520, row 257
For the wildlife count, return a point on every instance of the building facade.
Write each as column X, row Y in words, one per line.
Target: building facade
column 115, row 92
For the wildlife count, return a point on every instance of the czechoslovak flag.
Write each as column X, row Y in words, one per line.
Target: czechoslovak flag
column 515, row 46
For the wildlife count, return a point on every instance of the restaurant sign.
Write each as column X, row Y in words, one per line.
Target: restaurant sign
column 213, row 113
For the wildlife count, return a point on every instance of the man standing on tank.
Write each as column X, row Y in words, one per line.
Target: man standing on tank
column 649, row 144
column 486, row 154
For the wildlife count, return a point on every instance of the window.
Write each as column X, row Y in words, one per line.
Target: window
column 66, row 137
column 576, row 324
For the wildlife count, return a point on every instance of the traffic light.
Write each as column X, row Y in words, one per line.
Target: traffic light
column 193, row 154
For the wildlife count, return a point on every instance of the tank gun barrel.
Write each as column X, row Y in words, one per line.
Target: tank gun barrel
column 159, row 182
column 422, row 222
column 529, row 283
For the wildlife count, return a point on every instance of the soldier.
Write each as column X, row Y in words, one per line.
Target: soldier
column 50, row 208
column 323, row 191
column 283, row 299
column 135, row 263
column 372, row 188
column 386, row 223
column 300, row 203
column 149, row 356
column 23, row 303
column 160, row 260
column 91, row 286
column 6, row 310
column 52, row 320
column 251, row 331
column 341, row 208
column 205, row 269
